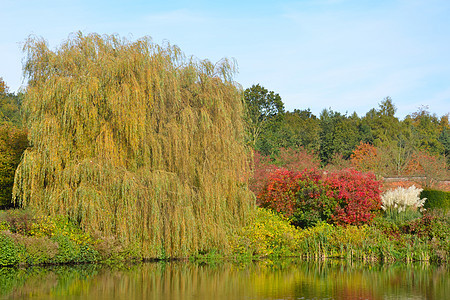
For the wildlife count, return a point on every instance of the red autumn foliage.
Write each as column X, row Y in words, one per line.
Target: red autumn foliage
column 284, row 188
column 288, row 158
column 358, row 195
column 279, row 192
column 262, row 168
column 342, row 197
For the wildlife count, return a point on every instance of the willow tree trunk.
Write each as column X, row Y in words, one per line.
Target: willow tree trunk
column 134, row 140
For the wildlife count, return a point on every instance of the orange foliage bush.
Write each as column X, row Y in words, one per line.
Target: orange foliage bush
column 365, row 157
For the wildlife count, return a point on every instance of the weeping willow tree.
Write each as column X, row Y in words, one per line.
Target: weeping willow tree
column 133, row 140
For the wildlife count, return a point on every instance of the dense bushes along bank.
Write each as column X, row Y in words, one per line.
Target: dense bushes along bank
column 426, row 238
column 308, row 214
column 28, row 240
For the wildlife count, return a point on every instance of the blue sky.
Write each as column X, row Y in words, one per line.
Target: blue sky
column 346, row 55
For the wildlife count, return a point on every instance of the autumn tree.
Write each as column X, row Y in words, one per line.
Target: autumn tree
column 9, row 106
column 297, row 159
column 13, row 142
column 263, row 166
column 135, row 141
column 3, row 87
column 365, row 158
column 429, row 168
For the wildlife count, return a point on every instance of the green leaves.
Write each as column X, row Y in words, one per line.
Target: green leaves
column 263, row 109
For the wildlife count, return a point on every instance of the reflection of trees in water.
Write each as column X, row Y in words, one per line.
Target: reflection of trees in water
column 285, row 279
column 44, row 281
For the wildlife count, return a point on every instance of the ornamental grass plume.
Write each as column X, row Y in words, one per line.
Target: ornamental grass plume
column 401, row 199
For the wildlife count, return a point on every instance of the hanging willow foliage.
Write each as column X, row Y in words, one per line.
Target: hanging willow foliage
column 136, row 141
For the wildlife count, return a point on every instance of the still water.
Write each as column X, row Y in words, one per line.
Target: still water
column 287, row 279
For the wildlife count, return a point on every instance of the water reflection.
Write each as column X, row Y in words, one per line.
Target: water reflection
column 287, row 279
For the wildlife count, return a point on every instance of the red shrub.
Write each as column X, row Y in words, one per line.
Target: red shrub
column 358, row 195
column 279, row 192
column 307, row 197
column 262, row 168
column 298, row 195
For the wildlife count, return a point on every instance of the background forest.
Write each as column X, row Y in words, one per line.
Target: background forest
column 418, row 145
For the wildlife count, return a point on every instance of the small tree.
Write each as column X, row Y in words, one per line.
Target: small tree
column 431, row 168
column 262, row 168
column 365, row 158
column 338, row 162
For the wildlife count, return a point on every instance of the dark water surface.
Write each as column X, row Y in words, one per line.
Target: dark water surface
column 287, row 279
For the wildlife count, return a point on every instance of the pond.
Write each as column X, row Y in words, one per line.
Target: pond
column 287, row 279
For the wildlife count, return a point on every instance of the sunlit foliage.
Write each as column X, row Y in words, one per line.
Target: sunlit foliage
column 13, row 141
column 134, row 140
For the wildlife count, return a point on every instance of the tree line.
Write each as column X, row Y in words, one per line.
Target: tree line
column 335, row 138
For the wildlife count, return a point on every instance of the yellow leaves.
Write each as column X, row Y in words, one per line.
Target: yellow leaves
column 135, row 141
column 4, row 226
column 54, row 226
column 267, row 234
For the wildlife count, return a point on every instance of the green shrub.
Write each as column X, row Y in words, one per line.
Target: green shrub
column 35, row 250
column 434, row 225
column 32, row 240
column 9, row 252
column 17, row 220
column 436, row 199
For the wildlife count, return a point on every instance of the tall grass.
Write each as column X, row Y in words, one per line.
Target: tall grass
column 271, row 235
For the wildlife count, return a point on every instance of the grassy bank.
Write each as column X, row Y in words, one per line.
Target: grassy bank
column 424, row 238
column 26, row 239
